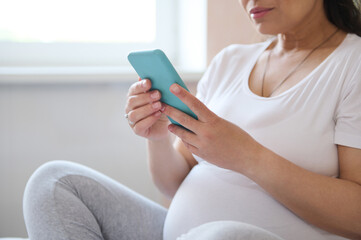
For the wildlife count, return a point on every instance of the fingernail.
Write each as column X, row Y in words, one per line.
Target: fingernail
column 144, row 83
column 162, row 109
column 156, row 105
column 175, row 88
column 154, row 95
column 170, row 127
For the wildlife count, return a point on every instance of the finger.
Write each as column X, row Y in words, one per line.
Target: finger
column 141, row 128
column 182, row 118
column 191, row 148
column 139, row 100
column 139, row 87
column 140, row 113
column 185, row 135
column 202, row 112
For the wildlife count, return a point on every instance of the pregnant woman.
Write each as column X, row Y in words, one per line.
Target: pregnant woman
column 275, row 152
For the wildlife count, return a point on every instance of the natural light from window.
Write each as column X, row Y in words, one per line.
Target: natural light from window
column 78, row 21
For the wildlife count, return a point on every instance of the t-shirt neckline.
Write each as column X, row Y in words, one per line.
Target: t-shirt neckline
column 265, row 46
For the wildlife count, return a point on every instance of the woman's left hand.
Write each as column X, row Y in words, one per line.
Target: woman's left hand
column 210, row 137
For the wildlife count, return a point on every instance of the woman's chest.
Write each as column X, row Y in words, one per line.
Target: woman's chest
column 273, row 75
column 299, row 128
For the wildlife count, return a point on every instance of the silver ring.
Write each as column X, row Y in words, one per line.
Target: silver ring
column 127, row 117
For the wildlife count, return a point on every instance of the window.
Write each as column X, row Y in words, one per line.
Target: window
column 42, row 39
column 82, row 32
column 78, row 21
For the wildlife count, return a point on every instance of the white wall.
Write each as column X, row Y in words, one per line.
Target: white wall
column 77, row 122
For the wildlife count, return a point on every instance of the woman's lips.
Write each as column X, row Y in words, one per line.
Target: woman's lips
column 259, row 12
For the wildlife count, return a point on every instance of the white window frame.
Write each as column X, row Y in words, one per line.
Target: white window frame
column 86, row 54
column 184, row 44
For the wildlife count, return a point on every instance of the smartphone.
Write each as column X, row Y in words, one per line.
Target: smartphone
column 155, row 66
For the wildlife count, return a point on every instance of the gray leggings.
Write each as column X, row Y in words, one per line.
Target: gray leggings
column 65, row 200
column 68, row 201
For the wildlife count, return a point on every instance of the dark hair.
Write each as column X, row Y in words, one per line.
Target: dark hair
column 344, row 14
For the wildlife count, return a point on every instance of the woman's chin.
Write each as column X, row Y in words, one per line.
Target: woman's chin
column 267, row 30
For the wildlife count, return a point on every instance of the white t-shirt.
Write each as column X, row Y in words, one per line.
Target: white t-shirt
column 302, row 124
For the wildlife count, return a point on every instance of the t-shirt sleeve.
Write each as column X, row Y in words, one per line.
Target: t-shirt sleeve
column 202, row 85
column 205, row 84
column 348, row 115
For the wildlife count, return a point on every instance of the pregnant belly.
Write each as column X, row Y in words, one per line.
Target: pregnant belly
column 210, row 194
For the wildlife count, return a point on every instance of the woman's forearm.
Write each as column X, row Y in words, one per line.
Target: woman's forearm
column 330, row 203
column 167, row 166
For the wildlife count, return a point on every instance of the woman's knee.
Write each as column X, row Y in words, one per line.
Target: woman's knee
column 228, row 230
column 49, row 171
column 42, row 180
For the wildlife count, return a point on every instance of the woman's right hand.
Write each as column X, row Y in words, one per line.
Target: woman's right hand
column 144, row 111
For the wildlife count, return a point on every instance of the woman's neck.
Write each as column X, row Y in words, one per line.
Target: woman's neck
column 307, row 36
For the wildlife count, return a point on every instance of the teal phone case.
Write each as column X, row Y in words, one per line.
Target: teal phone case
column 155, row 66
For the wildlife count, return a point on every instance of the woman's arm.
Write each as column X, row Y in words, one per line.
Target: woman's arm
column 329, row 203
column 169, row 164
column 333, row 204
